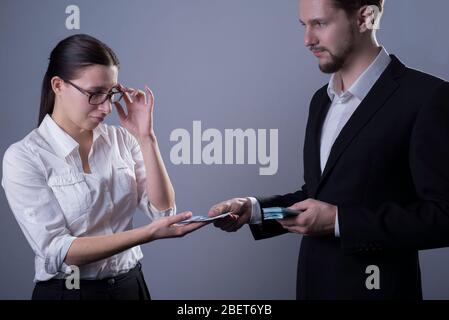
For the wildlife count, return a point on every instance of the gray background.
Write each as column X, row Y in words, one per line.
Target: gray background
column 231, row 64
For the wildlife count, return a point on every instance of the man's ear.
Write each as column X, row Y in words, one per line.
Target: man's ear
column 368, row 18
column 57, row 85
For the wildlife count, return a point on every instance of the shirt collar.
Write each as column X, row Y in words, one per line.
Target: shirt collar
column 364, row 82
column 101, row 131
column 61, row 141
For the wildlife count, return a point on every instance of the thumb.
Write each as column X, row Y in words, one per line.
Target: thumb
column 149, row 97
column 179, row 217
column 120, row 111
column 303, row 206
column 218, row 209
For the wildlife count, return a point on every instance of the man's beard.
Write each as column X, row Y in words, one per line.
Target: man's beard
column 338, row 60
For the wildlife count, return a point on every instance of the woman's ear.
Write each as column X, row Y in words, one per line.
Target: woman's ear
column 57, row 85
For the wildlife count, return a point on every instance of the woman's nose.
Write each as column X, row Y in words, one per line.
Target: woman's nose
column 105, row 107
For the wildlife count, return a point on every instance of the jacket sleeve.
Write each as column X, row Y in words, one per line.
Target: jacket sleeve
column 272, row 228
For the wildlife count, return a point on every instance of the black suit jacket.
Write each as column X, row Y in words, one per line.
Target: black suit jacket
column 388, row 173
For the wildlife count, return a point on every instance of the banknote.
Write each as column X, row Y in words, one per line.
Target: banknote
column 275, row 213
column 204, row 218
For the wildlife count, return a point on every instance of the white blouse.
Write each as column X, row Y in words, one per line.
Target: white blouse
column 55, row 202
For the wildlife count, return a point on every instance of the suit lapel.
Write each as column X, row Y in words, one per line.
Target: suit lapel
column 376, row 98
column 312, row 168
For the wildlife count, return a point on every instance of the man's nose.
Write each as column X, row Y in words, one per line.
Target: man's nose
column 309, row 38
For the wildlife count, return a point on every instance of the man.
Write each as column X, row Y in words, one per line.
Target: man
column 376, row 167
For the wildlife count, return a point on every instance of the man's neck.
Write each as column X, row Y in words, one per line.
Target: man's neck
column 356, row 65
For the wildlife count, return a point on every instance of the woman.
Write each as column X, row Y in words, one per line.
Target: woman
column 74, row 183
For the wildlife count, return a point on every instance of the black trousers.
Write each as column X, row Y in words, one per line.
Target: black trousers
column 128, row 286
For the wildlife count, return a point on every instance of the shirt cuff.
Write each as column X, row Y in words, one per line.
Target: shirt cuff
column 154, row 213
column 54, row 261
column 256, row 214
column 337, row 227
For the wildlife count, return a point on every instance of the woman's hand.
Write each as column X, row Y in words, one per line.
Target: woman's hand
column 85, row 250
column 139, row 118
column 167, row 227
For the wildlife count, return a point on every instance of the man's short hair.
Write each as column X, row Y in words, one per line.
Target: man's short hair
column 351, row 6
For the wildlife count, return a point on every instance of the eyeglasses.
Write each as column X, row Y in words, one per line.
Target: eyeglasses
column 97, row 98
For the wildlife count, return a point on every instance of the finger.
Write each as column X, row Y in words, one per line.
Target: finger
column 185, row 229
column 150, row 96
column 230, row 223
column 121, row 87
column 234, row 228
column 129, row 90
column 240, row 222
column 127, row 98
column 178, row 218
column 126, row 93
column 133, row 93
column 219, row 209
column 292, row 229
column 140, row 96
column 220, row 223
column 120, row 111
column 289, row 229
column 303, row 205
column 297, row 228
column 289, row 222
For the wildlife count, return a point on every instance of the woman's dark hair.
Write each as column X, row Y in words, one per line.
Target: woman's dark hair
column 350, row 6
column 68, row 58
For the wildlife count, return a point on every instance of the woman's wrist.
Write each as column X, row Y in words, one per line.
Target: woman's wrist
column 145, row 233
column 151, row 138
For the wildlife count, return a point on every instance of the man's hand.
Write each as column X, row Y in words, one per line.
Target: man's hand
column 317, row 218
column 240, row 209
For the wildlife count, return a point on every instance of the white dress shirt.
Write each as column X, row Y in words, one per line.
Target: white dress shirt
column 343, row 105
column 55, row 202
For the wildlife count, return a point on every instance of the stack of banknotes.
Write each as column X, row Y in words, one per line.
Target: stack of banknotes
column 275, row 213
column 203, row 218
column 268, row 213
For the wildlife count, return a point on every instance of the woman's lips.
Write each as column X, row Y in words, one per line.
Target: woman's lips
column 98, row 119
